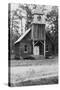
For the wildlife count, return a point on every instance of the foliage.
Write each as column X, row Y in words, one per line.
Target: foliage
column 52, row 18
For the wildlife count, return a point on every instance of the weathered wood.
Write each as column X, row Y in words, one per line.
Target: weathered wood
column 38, row 31
column 33, row 46
column 44, row 47
column 44, row 44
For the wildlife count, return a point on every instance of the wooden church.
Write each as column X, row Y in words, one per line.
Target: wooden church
column 33, row 41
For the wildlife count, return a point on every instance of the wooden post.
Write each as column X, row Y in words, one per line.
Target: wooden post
column 33, row 46
column 32, row 37
column 44, row 48
column 44, row 43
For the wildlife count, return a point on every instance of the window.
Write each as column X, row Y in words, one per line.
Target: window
column 39, row 18
column 25, row 49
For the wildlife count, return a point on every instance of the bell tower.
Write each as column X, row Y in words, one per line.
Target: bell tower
column 38, row 30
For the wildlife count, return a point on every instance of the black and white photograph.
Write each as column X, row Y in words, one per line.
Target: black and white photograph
column 32, row 44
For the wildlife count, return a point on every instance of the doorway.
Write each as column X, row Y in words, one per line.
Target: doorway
column 36, row 50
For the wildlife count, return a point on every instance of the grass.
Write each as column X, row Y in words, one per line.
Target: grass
column 33, row 62
column 44, row 81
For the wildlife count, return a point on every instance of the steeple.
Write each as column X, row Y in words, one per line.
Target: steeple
column 38, row 16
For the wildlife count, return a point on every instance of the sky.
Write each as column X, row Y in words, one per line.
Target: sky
column 14, row 6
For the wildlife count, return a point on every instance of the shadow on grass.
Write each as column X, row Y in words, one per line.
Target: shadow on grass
column 45, row 81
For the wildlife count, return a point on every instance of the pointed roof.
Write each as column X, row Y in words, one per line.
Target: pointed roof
column 27, row 31
column 38, row 10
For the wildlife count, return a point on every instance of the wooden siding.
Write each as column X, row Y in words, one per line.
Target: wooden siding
column 38, row 31
column 17, row 53
column 36, row 20
column 20, row 49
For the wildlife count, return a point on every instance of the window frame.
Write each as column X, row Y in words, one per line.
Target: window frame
column 25, row 48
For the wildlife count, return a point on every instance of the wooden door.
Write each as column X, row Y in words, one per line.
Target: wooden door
column 36, row 50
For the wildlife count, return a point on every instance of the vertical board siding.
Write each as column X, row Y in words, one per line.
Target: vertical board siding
column 38, row 31
column 22, row 48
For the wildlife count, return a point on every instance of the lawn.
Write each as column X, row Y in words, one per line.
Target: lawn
column 33, row 62
column 34, row 72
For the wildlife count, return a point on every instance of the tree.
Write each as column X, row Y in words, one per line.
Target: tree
column 52, row 18
column 28, row 8
column 15, row 21
column 13, row 26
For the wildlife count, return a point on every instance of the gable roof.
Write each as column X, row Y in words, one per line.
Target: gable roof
column 27, row 31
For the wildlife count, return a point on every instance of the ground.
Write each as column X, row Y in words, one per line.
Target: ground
column 34, row 72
